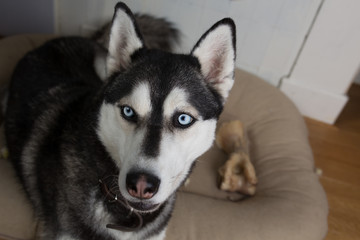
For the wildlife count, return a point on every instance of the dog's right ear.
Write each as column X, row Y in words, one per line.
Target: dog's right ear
column 125, row 39
column 216, row 51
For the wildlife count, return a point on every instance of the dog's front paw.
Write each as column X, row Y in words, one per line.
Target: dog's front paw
column 238, row 175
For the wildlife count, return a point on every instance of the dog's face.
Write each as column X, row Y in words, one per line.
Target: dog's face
column 160, row 109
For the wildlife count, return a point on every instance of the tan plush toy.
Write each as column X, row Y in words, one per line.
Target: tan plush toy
column 238, row 173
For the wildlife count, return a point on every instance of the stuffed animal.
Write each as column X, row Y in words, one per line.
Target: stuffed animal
column 238, row 173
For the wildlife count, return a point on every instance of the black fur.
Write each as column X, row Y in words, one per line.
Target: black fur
column 69, row 136
column 158, row 33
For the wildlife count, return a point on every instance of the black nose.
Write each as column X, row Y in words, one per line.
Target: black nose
column 142, row 185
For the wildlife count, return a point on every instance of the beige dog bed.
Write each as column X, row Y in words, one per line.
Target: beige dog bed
column 289, row 204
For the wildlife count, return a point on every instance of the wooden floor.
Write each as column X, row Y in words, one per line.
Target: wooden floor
column 337, row 153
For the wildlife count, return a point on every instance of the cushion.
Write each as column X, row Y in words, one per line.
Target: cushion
column 290, row 203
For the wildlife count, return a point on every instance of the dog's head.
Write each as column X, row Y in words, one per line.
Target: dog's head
column 160, row 109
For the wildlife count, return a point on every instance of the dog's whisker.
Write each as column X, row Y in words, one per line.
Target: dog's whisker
column 176, row 177
column 115, row 190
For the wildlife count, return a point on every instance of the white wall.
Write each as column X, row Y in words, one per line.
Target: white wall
column 328, row 63
column 269, row 36
column 269, row 32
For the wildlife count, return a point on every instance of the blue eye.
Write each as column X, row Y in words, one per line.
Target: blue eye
column 128, row 113
column 184, row 120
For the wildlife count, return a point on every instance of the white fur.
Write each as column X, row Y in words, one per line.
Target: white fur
column 65, row 237
column 178, row 148
column 178, row 100
column 123, row 42
column 216, row 56
column 100, row 63
column 178, row 152
column 118, row 135
column 102, row 218
column 139, row 99
column 160, row 236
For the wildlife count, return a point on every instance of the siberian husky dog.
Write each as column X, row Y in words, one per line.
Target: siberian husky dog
column 102, row 159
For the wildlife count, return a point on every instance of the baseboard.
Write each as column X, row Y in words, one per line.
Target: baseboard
column 314, row 103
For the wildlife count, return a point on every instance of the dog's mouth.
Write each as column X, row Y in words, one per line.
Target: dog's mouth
column 143, row 207
column 114, row 195
column 136, row 209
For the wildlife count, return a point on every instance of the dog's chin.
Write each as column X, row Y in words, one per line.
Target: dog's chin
column 143, row 206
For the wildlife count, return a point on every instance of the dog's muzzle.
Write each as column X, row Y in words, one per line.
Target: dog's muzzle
column 135, row 209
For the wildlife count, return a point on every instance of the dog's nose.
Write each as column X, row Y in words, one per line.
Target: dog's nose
column 142, row 185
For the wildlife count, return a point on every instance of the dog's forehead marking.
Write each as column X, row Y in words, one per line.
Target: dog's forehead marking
column 178, row 100
column 139, row 99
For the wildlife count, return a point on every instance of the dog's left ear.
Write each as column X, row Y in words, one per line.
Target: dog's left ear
column 216, row 51
column 125, row 39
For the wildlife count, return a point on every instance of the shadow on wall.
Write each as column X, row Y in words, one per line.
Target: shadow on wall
column 22, row 16
column 357, row 77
